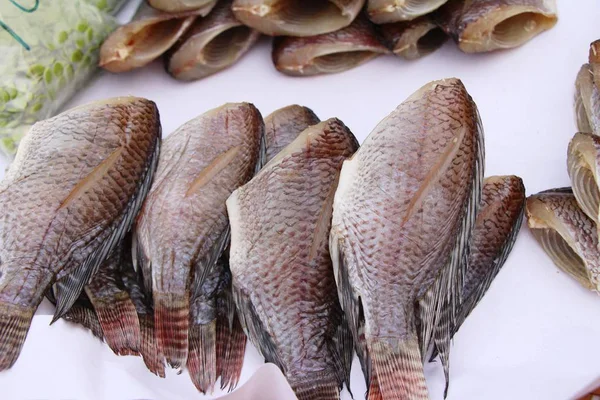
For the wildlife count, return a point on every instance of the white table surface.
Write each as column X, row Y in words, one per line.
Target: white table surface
column 534, row 335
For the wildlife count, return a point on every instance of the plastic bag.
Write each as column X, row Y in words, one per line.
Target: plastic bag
column 48, row 50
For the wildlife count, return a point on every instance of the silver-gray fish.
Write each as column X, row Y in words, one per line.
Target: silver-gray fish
column 175, row 6
column 283, row 282
column 71, row 194
column 402, row 217
column 283, row 126
column 413, row 39
column 389, row 11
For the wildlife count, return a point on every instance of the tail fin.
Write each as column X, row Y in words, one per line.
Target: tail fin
column 231, row 345
column 399, row 368
column 14, row 324
column 374, row 392
column 86, row 317
column 171, row 319
column 149, row 349
column 202, row 358
column 120, row 325
column 315, row 387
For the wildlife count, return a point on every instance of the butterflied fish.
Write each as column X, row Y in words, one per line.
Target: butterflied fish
column 389, row 11
column 583, row 165
column 147, row 37
column 414, row 39
column 297, row 17
column 566, row 234
column 283, row 126
column 486, row 25
column 183, row 227
column 328, row 53
column 283, row 283
column 175, row 6
column 211, row 45
column 69, row 197
column 587, row 101
column 402, row 217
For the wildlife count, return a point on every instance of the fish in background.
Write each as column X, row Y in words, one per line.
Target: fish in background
column 175, row 6
column 283, row 283
column 402, row 217
column 183, row 230
column 413, row 39
column 389, row 11
column 68, row 199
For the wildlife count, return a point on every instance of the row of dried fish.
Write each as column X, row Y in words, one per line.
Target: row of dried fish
column 565, row 221
column 200, row 38
column 284, row 230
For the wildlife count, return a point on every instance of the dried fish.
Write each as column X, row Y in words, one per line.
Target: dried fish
column 328, row 53
column 587, row 101
column 583, row 165
column 487, row 25
column 175, row 6
column 283, row 126
column 211, row 45
column 283, row 283
column 594, row 60
column 147, row 37
column 69, row 197
column 297, row 17
column 82, row 313
column 402, row 217
column 183, row 227
column 566, row 234
column 414, row 39
column 389, row 11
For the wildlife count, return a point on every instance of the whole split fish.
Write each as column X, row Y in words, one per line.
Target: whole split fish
column 69, row 197
column 148, row 36
column 566, row 234
column 283, row 282
column 389, row 11
column 283, row 126
column 487, row 25
column 328, row 53
column 183, row 228
column 210, row 45
column 175, row 6
column 297, row 17
column 402, row 217
column 413, row 39
column 587, row 101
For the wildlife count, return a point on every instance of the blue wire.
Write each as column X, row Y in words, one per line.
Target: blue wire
column 27, row 10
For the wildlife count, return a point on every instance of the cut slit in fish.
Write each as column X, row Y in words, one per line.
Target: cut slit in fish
column 566, row 234
column 297, row 17
column 390, row 11
column 413, row 39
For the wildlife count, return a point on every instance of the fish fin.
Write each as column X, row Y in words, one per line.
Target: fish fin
column 14, row 324
column 321, row 386
column 85, row 317
column 231, row 348
column 342, row 349
column 399, row 368
column 206, row 265
column 202, row 360
column 68, row 289
column 149, row 349
column 374, row 393
column 171, row 321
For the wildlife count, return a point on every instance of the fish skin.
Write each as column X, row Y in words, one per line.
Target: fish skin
column 284, row 125
column 286, row 294
column 176, row 6
column 475, row 24
column 566, row 234
column 429, row 148
column 328, row 53
column 67, row 199
column 211, row 45
column 146, row 37
column 183, row 227
column 587, row 101
column 390, row 11
column 297, row 18
column 413, row 39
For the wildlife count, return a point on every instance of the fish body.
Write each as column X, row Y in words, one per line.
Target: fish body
column 284, row 125
column 400, row 225
column 390, row 11
column 587, row 101
column 283, row 282
column 413, row 39
column 175, row 6
column 69, row 197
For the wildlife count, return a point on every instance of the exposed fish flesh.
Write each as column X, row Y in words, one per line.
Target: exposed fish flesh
column 414, row 39
column 297, row 17
column 211, row 45
column 175, row 6
column 389, row 11
column 71, row 194
column 328, row 53
column 282, row 278
column 403, row 213
column 583, row 165
column 566, row 234
column 183, row 227
column 587, row 101
column 147, row 37
column 486, row 25
column 283, row 126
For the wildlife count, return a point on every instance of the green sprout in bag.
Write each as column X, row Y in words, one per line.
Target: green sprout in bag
column 48, row 51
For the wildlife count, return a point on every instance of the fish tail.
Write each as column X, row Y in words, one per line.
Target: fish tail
column 148, row 348
column 14, row 324
column 85, row 317
column 202, row 358
column 374, row 392
column 171, row 319
column 120, row 325
column 231, row 359
column 399, row 368
column 320, row 387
